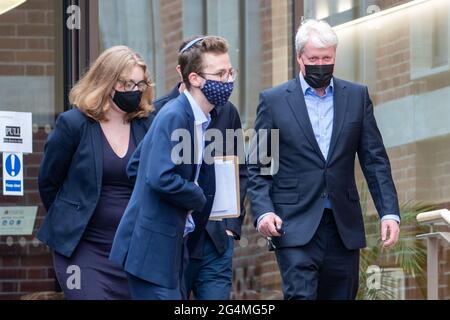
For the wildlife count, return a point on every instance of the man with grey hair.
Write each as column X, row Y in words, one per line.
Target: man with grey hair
column 309, row 209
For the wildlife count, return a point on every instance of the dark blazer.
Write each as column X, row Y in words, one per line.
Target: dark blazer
column 149, row 239
column 70, row 177
column 297, row 192
column 228, row 119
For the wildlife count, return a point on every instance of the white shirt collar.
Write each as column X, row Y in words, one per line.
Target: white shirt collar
column 199, row 115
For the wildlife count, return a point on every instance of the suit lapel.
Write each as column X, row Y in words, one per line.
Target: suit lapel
column 340, row 109
column 191, row 120
column 296, row 101
column 96, row 140
column 207, row 177
column 138, row 130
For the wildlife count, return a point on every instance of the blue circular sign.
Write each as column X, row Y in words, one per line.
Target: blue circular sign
column 12, row 165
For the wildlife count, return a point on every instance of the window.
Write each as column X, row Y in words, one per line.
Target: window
column 136, row 24
column 430, row 37
column 31, row 80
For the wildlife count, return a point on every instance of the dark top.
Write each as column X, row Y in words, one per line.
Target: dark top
column 101, row 278
column 71, row 175
column 114, row 196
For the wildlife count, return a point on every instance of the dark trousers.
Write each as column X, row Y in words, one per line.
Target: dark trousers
column 323, row 269
column 144, row 290
column 210, row 278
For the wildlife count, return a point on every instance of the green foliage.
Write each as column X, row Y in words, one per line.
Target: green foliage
column 409, row 253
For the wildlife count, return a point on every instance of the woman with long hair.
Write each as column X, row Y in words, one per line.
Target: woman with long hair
column 82, row 179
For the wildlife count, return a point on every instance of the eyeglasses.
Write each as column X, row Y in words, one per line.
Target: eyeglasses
column 225, row 76
column 129, row 85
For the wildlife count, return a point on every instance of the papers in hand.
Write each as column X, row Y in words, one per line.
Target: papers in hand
column 226, row 200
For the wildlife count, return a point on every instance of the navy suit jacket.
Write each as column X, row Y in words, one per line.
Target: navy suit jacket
column 298, row 190
column 149, row 239
column 228, row 119
column 70, row 177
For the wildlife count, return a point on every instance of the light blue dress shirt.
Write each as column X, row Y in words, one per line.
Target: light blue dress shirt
column 201, row 124
column 321, row 113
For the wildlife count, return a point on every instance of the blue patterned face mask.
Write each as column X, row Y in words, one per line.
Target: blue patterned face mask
column 217, row 92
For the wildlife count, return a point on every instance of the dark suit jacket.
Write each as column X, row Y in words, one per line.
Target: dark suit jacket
column 296, row 193
column 70, row 177
column 149, row 239
column 225, row 117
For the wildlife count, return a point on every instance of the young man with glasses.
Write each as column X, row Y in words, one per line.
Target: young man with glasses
column 173, row 199
column 209, row 273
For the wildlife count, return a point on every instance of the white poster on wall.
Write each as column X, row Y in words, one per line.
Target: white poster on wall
column 16, row 132
column 16, row 221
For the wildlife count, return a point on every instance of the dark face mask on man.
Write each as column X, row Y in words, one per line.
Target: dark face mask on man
column 216, row 92
column 318, row 76
column 127, row 101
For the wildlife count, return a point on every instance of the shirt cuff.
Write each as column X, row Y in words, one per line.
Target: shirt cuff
column 260, row 218
column 391, row 217
column 232, row 234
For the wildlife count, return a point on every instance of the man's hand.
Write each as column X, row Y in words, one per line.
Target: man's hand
column 392, row 228
column 269, row 224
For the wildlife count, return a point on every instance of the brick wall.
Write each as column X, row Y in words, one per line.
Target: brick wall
column 266, row 42
column 421, row 172
column 393, row 55
column 172, row 23
column 25, row 263
column 393, row 61
column 256, row 274
column 421, row 169
column 27, row 40
column 27, row 49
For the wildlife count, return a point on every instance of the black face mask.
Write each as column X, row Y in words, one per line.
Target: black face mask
column 319, row 76
column 128, row 101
